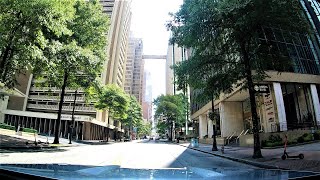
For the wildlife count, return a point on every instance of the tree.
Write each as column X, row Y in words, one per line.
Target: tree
column 76, row 59
column 173, row 108
column 161, row 127
column 115, row 101
column 144, row 129
column 134, row 115
column 224, row 36
column 24, row 28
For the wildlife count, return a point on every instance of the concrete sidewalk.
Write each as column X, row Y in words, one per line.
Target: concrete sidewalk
column 9, row 139
column 271, row 157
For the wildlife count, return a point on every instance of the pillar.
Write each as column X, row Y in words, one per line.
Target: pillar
column 316, row 103
column 202, row 126
column 210, row 128
column 231, row 115
column 280, row 107
column 3, row 106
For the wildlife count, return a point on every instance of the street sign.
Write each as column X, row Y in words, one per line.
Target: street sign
column 261, row 88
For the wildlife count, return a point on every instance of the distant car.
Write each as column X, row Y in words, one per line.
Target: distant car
column 158, row 138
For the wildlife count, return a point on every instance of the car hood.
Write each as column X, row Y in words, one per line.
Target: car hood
column 66, row 171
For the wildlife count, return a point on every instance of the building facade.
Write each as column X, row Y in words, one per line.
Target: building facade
column 176, row 54
column 147, row 97
column 37, row 107
column 290, row 104
column 134, row 69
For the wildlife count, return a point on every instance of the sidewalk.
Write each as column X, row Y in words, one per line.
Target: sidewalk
column 271, row 157
column 9, row 139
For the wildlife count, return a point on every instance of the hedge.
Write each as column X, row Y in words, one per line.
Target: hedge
column 7, row 126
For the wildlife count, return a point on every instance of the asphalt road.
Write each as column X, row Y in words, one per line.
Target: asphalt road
column 143, row 154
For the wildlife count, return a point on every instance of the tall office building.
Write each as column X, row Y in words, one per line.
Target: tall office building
column 175, row 55
column 134, row 69
column 147, row 97
column 37, row 108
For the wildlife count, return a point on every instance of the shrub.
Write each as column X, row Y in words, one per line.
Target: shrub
column 308, row 138
column 263, row 143
column 316, row 136
column 305, row 135
column 275, row 138
column 300, row 139
column 7, row 126
column 29, row 130
column 273, row 144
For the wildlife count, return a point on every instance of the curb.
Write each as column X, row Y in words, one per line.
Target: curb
column 261, row 165
column 27, row 148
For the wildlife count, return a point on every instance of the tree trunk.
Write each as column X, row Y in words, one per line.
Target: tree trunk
column 63, row 88
column 72, row 117
column 108, row 128
column 257, row 145
column 4, row 57
column 214, row 143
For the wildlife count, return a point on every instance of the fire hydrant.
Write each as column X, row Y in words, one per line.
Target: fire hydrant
column 222, row 149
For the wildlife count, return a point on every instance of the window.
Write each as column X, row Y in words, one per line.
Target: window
column 298, row 105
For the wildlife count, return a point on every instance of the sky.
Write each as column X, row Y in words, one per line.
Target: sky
column 148, row 22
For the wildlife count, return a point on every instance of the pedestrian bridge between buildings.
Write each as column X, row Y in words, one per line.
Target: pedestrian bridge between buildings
column 154, row 57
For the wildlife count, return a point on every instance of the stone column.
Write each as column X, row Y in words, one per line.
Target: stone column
column 280, row 107
column 202, row 126
column 3, row 106
column 316, row 104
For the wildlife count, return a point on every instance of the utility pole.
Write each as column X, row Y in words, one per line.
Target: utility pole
column 72, row 117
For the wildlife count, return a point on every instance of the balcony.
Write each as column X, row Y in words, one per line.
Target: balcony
column 64, row 108
column 54, row 89
column 55, row 98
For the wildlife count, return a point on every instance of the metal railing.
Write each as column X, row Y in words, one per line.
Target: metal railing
column 229, row 137
column 66, row 98
column 66, row 108
column 54, row 89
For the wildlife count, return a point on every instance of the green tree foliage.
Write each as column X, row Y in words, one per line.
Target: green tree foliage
column 224, row 37
column 161, row 127
column 144, row 128
column 114, row 100
column 134, row 113
column 172, row 108
column 25, row 27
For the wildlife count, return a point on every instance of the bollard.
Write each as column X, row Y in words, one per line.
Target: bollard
column 222, row 149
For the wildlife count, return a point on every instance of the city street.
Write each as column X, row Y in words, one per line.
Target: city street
column 138, row 154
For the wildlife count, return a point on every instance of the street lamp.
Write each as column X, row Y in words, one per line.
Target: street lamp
column 72, row 117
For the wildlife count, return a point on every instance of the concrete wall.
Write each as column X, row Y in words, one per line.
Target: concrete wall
column 231, row 118
column 16, row 103
column 220, row 141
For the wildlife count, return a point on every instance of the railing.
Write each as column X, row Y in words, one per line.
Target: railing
column 53, row 89
column 229, row 137
column 66, row 98
column 66, row 108
column 245, row 133
column 239, row 136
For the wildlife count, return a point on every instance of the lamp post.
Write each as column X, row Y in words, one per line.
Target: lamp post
column 72, row 117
